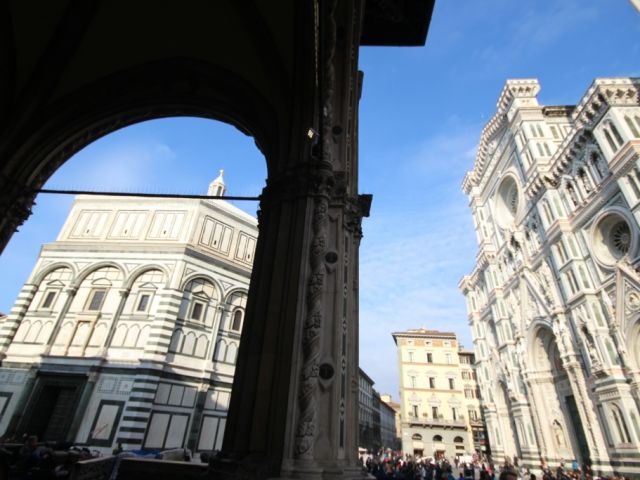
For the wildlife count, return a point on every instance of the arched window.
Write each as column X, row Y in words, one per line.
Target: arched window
column 176, row 341
column 236, row 323
column 94, row 290
column 546, row 210
column 46, row 298
column 620, row 424
column 632, row 127
column 437, row 438
column 616, row 134
column 143, row 291
column 596, row 163
column 587, row 185
column 610, row 141
column 198, row 295
column 416, row 436
column 458, row 440
column 571, row 192
column 220, row 351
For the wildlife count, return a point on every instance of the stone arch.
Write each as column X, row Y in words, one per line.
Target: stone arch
column 99, row 335
column 42, row 274
column 188, row 344
column 633, row 340
column 232, row 353
column 85, row 272
column 138, row 272
column 201, row 345
column 553, row 397
column 220, row 351
column 195, row 276
column 143, row 336
column 119, row 336
column 175, row 344
column 131, row 340
column 171, row 87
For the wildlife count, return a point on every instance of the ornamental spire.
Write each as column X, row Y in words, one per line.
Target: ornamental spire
column 217, row 187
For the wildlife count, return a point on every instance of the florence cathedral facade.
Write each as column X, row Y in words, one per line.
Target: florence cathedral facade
column 554, row 298
column 127, row 331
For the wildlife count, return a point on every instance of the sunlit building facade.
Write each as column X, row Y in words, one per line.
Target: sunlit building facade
column 127, row 330
column 554, row 299
column 440, row 408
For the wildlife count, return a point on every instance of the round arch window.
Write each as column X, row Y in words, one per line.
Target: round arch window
column 613, row 238
column 416, row 436
column 507, row 202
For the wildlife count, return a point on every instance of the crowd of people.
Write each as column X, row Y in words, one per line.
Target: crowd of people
column 399, row 467
column 37, row 461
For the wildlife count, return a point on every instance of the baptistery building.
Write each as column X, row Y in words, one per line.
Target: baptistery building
column 554, row 298
column 127, row 331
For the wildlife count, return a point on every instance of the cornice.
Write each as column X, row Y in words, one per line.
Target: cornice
column 602, row 94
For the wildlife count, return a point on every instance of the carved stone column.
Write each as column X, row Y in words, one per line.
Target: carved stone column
column 293, row 410
column 70, row 294
column 124, row 295
column 571, row 362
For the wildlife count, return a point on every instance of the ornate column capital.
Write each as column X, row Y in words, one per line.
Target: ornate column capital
column 16, row 203
column 124, row 292
column 71, row 291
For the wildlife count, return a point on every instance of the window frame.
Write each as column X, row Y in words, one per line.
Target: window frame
column 91, row 297
column 139, row 298
column 237, row 313
column 197, row 303
column 47, row 293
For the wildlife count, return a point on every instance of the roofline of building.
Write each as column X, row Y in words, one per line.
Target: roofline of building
column 425, row 334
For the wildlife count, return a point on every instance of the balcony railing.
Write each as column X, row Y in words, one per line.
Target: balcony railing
column 438, row 420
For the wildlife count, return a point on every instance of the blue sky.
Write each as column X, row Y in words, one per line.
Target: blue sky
column 421, row 114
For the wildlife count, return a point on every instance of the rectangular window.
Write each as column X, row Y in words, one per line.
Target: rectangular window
column 106, row 423
column 412, row 381
column 414, row 410
column 96, row 299
column 48, row 299
column 452, row 384
column 434, row 412
column 196, row 310
column 454, row 413
column 473, row 415
column 448, row 357
column 411, row 359
column 166, row 430
column 429, row 357
column 143, row 302
column 432, row 382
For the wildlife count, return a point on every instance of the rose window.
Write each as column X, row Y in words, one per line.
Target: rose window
column 621, row 238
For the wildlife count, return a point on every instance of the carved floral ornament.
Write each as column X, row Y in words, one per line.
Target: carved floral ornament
column 633, row 301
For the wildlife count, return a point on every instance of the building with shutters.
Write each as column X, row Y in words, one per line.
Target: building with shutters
column 127, row 330
column 439, row 401
column 554, row 299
